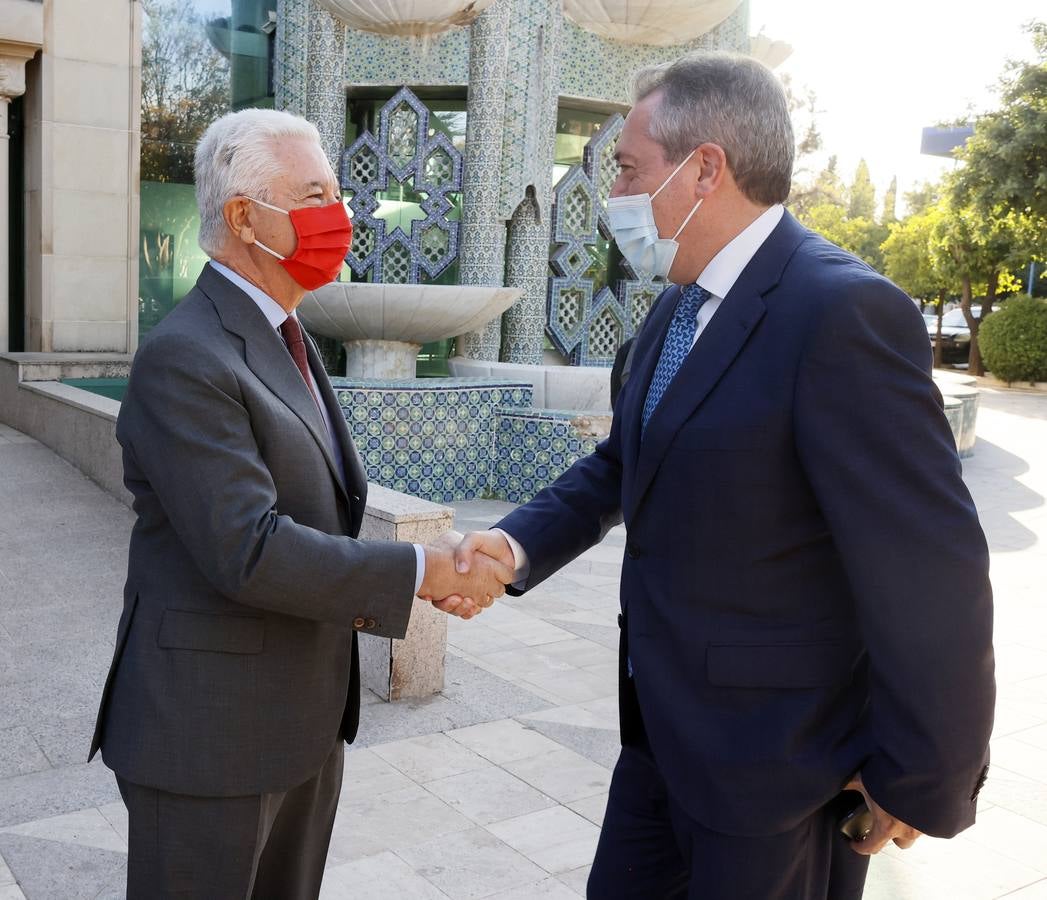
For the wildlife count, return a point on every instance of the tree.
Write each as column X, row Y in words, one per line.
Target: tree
column 858, row 235
column 923, row 197
column 910, row 261
column 862, row 194
column 185, row 86
column 997, row 201
column 890, row 203
column 1007, row 154
column 984, row 250
column 803, row 110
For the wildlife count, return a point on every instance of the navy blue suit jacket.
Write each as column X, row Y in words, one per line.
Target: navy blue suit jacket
column 805, row 586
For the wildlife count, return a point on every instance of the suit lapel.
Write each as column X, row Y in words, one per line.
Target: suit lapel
column 717, row 346
column 266, row 355
column 643, row 371
column 355, row 475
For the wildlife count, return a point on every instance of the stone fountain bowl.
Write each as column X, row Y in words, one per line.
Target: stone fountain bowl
column 384, row 325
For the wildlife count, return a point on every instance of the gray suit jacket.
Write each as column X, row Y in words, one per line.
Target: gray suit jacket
column 236, row 667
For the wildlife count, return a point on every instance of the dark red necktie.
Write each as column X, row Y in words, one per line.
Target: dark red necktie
column 292, row 333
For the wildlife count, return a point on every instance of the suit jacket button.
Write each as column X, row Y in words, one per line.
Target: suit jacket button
column 358, row 622
column 371, row 623
column 632, row 551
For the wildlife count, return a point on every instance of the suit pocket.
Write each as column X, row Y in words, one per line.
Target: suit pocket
column 214, row 632
column 780, row 666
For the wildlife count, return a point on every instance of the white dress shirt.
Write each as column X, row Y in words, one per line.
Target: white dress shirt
column 718, row 277
column 276, row 315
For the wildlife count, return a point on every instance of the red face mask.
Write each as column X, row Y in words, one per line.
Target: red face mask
column 324, row 236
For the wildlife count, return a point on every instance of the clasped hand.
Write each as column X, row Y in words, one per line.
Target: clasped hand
column 465, row 575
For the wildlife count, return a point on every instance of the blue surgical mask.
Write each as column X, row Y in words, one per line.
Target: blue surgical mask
column 636, row 232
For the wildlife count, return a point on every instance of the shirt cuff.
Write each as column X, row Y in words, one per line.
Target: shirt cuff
column 520, row 561
column 419, row 571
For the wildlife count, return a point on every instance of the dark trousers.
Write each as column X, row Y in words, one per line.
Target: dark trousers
column 262, row 847
column 650, row 849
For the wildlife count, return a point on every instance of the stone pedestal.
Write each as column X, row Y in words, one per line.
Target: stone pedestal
column 380, row 359
column 414, row 666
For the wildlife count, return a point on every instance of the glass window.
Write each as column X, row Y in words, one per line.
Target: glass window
column 200, row 58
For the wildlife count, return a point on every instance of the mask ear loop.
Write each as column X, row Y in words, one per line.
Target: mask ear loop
column 266, row 205
column 686, row 160
column 690, row 215
column 257, row 242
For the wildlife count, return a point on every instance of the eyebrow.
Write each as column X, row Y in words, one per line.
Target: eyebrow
column 619, row 156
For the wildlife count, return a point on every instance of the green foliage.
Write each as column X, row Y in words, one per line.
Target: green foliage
column 862, row 195
column 890, row 203
column 860, row 236
column 910, row 261
column 923, row 197
column 1014, row 340
column 1007, row 155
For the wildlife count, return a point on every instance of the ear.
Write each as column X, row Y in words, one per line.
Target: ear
column 712, row 169
column 235, row 213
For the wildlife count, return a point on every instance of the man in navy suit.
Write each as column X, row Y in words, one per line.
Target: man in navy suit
column 806, row 612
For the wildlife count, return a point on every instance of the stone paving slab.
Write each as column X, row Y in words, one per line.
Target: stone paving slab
column 496, row 787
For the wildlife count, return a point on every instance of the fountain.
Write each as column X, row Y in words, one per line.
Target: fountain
column 383, row 326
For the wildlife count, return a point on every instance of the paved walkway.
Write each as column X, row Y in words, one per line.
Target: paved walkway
column 495, row 788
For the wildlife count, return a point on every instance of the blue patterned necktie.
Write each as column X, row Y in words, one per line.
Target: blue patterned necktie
column 677, row 345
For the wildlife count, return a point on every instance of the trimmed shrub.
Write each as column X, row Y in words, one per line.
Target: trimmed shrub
column 1014, row 340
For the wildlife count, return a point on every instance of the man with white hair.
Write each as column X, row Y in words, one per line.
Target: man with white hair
column 235, row 678
column 796, row 637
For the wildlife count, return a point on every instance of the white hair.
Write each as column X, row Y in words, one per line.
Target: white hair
column 235, row 158
column 729, row 100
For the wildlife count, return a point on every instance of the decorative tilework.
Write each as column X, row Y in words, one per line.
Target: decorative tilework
column 433, row 438
column 592, row 67
column 587, row 329
column 291, row 55
column 482, row 257
column 325, row 89
column 405, row 150
column 455, row 439
column 528, row 153
column 518, row 58
column 441, row 59
column 534, row 449
column 523, row 324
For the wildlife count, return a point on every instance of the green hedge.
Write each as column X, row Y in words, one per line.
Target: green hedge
column 1014, row 340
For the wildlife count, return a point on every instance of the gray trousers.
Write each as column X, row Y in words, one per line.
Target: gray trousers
column 260, row 847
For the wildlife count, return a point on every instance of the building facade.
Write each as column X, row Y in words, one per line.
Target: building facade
column 102, row 103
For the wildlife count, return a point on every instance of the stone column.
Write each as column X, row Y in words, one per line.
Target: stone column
column 481, row 255
column 325, row 84
column 12, row 84
column 5, row 274
column 527, row 269
column 529, row 151
column 290, row 53
column 82, row 135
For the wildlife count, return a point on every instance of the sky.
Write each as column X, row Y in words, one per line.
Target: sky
column 882, row 71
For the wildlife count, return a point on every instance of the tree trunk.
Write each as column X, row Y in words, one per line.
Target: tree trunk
column 974, row 362
column 976, row 366
column 938, row 338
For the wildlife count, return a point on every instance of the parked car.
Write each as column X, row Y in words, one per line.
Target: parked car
column 956, row 336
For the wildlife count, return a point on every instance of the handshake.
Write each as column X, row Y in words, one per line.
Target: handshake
column 464, row 575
